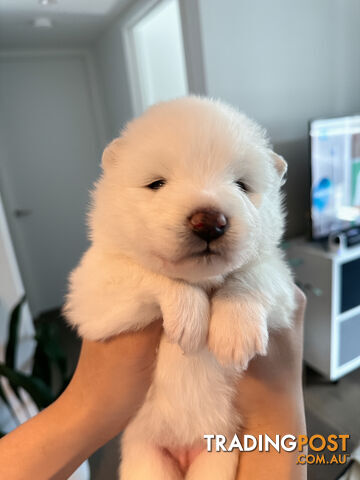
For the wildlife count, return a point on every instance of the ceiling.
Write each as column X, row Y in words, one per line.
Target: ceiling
column 75, row 23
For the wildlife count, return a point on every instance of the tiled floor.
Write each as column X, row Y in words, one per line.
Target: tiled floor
column 332, row 408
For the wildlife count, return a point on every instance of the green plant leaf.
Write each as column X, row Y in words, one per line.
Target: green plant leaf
column 49, row 351
column 35, row 387
column 47, row 335
column 41, row 366
column 10, row 351
column 8, row 404
column 3, row 396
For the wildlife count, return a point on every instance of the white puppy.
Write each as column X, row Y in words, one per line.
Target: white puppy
column 185, row 224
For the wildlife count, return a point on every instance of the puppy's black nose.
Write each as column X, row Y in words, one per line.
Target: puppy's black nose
column 208, row 224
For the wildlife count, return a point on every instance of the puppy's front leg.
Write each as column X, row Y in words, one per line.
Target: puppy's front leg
column 238, row 327
column 186, row 313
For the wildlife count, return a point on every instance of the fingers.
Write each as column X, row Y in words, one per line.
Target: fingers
column 301, row 301
column 149, row 336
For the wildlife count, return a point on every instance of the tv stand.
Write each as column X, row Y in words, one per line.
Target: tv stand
column 331, row 281
column 346, row 239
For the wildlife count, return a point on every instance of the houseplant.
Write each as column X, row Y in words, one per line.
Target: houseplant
column 48, row 378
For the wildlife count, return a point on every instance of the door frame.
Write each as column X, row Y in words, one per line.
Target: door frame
column 192, row 44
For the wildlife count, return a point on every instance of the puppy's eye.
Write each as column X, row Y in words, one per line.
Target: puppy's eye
column 242, row 185
column 157, row 184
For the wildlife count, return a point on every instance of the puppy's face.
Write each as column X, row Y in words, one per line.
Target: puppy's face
column 190, row 190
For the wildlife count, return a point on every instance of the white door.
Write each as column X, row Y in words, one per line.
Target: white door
column 49, row 158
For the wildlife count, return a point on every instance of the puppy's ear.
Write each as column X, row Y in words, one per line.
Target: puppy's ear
column 111, row 153
column 280, row 166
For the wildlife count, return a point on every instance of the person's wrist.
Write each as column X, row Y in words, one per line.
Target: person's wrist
column 275, row 409
column 281, row 415
column 87, row 418
column 260, row 393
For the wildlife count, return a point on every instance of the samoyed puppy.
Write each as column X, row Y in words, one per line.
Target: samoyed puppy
column 185, row 225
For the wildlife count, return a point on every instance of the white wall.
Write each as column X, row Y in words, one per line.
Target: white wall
column 109, row 57
column 284, row 62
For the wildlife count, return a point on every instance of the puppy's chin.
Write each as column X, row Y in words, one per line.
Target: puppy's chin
column 198, row 270
column 194, row 268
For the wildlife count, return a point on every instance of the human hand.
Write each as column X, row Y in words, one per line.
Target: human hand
column 109, row 385
column 113, row 376
column 270, row 400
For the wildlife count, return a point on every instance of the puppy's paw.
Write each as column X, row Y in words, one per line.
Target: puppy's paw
column 186, row 318
column 238, row 331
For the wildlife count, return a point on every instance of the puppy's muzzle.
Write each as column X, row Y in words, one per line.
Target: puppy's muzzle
column 208, row 224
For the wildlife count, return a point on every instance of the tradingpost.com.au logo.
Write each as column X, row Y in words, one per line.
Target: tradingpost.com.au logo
column 321, row 449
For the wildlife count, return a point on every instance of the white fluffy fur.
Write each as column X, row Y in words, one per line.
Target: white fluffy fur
column 141, row 265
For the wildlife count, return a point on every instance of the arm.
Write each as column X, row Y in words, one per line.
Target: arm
column 104, row 394
column 270, row 394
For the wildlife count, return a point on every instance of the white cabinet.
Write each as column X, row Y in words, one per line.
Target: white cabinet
column 331, row 281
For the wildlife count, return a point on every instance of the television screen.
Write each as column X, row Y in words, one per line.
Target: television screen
column 335, row 172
